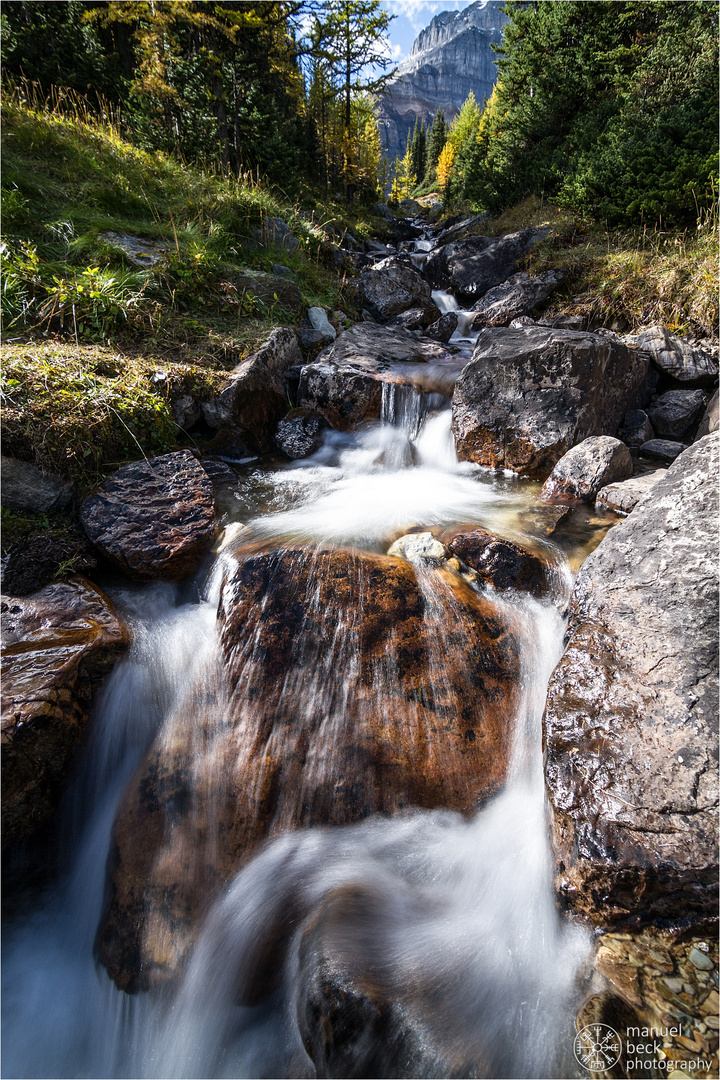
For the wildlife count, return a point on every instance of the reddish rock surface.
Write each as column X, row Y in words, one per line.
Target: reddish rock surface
column 346, row 686
column 58, row 645
column 155, row 518
column 501, row 563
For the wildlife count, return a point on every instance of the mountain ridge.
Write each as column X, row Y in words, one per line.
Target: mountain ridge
column 449, row 58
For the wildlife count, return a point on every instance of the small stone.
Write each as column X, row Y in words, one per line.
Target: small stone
column 319, row 321
column 418, row 548
column 676, row 1074
column 454, row 564
column 689, row 1044
column 711, row 1004
column 675, row 985
column 712, row 1022
column 700, row 960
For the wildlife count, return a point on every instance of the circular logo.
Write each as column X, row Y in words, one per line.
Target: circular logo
column 597, row 1047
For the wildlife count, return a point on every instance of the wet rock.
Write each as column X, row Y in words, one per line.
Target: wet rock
column 501, row 563
column 267, row 290
column 319, row 321
column 418, row 548
column 391, row 287
column 630, row 724
column 254, row 398
column 153, row 518
column 26, row 488
column 297, row 727
column 58, row 646
column 686, row 365
column 516, row 297
column 417, row 318
column 711, row 418
column 661, row 450
column 624, row 497
column 586, row 468
column 636, row 428
column 444, row 328
column 300, row 433
column 673, row 413
column 468, row 268
column 528, row 395
column 345, row 382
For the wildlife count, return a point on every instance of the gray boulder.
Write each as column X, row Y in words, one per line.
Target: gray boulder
column 470, row 267
column 686, row 364
column 254, row 397
column 393, row 286
column 444, row 328
column 417, row 318
column 310, row 341
column 661, row 450
column 711, row 418
column 673, row 413
column 636, row 428
column 630, row 725
column 300, row 433
column 345, row 383
column 516, row 297
column 623, row 497
column 26, row 488
column 528, row 395
column 586, row 468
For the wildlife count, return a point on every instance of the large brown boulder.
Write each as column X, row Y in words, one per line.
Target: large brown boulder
column 345, row 382
column 254, row 398
column 346, row 686
column 631, row 719
column 153, row 518
column 58, row 645
column 530, row 394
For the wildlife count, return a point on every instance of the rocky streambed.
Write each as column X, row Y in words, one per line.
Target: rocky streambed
column 309, row 832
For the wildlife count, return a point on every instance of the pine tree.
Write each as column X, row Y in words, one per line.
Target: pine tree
column 436, row 139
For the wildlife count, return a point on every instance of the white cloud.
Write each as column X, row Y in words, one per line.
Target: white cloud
column 420, row 12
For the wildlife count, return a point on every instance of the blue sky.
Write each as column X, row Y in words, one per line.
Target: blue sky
column 411, row 17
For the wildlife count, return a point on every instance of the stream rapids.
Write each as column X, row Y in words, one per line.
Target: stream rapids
column 455, row 917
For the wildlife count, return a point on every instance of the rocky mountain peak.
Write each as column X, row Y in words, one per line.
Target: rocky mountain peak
column 449, row 58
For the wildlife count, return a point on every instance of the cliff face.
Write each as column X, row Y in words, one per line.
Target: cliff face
column 451, row 57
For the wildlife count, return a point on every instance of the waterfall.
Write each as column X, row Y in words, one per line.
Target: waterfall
column 439, row 926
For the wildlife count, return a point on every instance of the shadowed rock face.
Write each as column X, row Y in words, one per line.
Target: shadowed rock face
column 346, row 685
column 451, row 57
column 631, row 719
column 58, row 645
column 528, row 395
column 153, row 518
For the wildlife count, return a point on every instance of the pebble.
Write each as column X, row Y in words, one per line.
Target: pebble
column 700, row 960
column 712, row 1022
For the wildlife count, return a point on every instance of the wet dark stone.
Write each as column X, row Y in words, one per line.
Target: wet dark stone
column 300, row 433
column 501, row 563
column 154, row 518
column 58, row 646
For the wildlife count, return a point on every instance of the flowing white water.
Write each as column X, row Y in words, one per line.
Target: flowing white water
column 464, row 333
column 457, row 922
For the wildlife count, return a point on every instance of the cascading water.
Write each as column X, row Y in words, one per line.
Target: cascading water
column 450, row 919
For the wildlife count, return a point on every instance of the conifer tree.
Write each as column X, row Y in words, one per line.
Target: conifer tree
column 436, row 139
